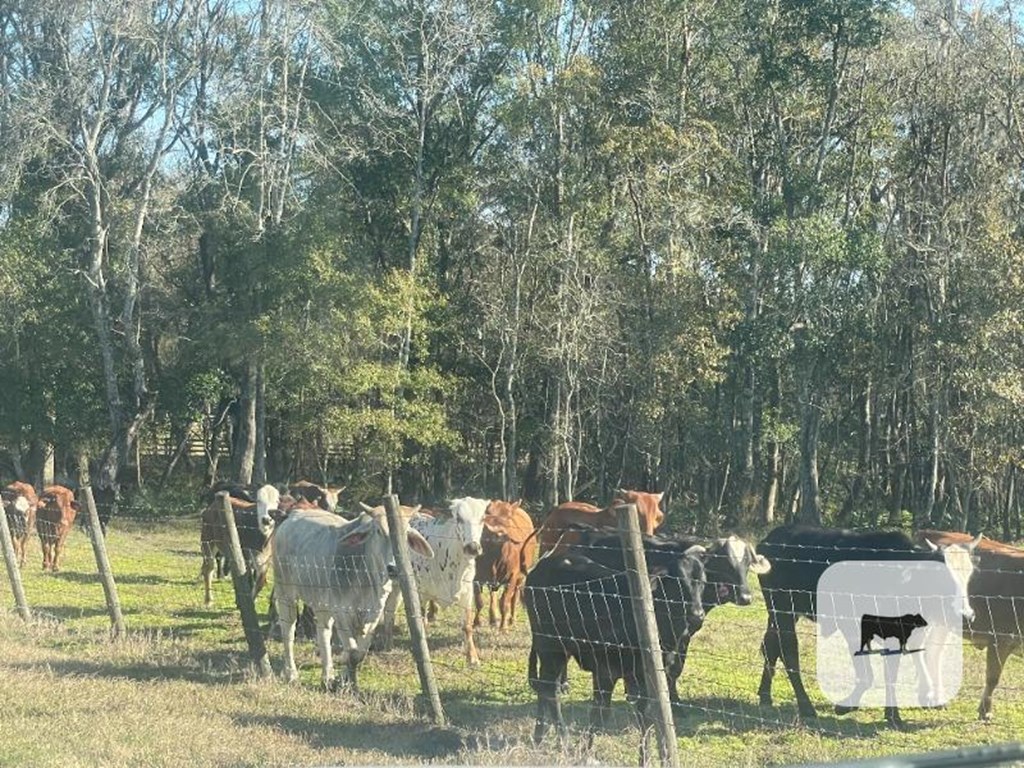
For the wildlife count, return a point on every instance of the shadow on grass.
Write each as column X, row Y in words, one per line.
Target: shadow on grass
column 206, row 667
column 93, row 578
column 65, row 612
column 719, row 715
column 409, row 741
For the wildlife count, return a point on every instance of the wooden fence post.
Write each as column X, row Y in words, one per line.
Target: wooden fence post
column 647, row 629
column 397, row 525
column 99, row 550
column 13, row 572
column 242, row 582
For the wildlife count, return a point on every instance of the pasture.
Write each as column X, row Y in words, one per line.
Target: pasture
column 177, row 690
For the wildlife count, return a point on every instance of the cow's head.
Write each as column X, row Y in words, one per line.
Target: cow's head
column 960, row 561
column 688, row 581
column 728, row 562
column 268, row 500
column 468, row 519
column 370, row 532
column 648, row 508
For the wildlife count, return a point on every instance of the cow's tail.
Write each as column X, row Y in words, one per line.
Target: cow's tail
column 532, row 670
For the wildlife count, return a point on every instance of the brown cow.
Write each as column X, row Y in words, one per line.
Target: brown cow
column 996, row 593
column 509, row 548
column 254, row 522
column 20, row 502
column 323, row 496
column 54, row 517
column 647, row 507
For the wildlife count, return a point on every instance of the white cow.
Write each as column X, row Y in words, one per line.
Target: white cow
column 342, row 570
column 448, row 577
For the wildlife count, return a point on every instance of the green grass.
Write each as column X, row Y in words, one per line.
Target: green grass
column 178, row 690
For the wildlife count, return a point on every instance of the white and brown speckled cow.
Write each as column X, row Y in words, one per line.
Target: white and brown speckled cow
column 447, row 578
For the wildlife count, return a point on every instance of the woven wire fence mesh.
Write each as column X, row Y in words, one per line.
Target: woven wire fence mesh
column 156, row 560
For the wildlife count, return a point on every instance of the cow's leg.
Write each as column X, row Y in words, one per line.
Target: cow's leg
column 324, row 627
column 286, row 616
column 472, row 657
column 789, row 651
column 863, row 676
column 549, row 707
column 928, row 664
column 384, row 636
column 601, row 705
column 492, row 607
column 997, row 653
column 508, row 601
column 207, row 573
column 674, row 669
column 770, row 650
column 58, row 552
column 478, row 599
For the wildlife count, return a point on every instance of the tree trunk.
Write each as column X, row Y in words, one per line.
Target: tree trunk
column 246, row 446
column 810, row 505
column 259, row 471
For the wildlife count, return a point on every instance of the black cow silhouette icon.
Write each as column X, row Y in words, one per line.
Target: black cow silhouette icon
column 900, row 627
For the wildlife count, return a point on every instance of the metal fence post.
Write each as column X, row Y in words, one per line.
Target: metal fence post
column 13, row 572
column 397, row 525
column 99, row 550
column 647, row 627
column 243, row 593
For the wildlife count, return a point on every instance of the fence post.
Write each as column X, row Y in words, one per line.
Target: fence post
column 647, row 628
column 13, row 572
column 243, row 592
column 99, row 549
column 397, row 525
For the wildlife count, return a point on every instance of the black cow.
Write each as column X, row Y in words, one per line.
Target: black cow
column 799, row 556
column 900, row 627
column 726, row 564
column 579, row 608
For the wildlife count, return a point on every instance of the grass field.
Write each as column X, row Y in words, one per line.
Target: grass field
column 178, row 691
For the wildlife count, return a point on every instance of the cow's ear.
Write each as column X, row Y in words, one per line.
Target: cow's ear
column 357, row 534
column 696, row 550
column 759, row 564
column 76, row 506
column 418, row 544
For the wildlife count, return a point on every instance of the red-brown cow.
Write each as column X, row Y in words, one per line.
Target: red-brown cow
column 509, row 548
column 54, row 517
column 20, row 502
column 558, row 520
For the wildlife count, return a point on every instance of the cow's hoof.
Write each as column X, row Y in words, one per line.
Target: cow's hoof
column 539, row 731
column 844, row 709
column 808, row 713
column 474, row 662
column 765, row 701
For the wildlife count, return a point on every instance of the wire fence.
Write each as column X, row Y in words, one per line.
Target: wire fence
column 571, row 661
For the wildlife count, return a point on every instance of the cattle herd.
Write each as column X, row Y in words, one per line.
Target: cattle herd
column 570, row 574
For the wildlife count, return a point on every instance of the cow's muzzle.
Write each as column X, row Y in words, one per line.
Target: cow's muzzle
column 472, row 549
column 743, row 597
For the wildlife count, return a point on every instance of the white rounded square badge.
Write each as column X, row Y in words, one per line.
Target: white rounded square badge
column 890, row 633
